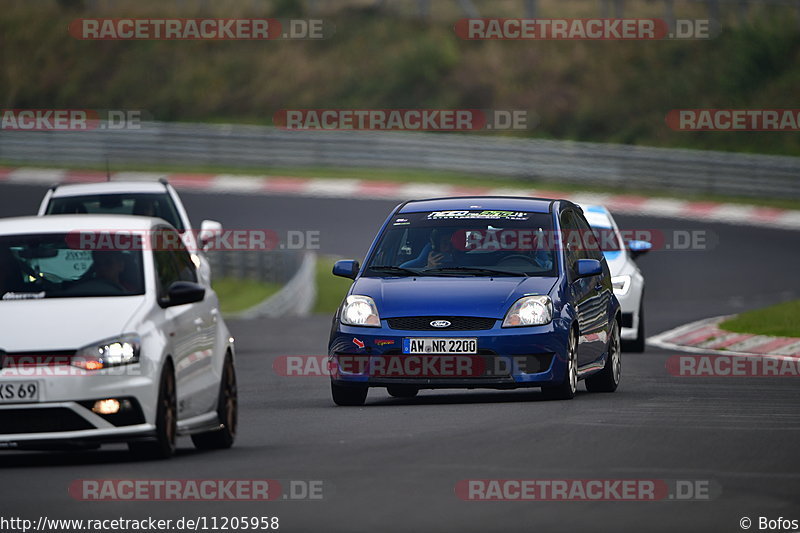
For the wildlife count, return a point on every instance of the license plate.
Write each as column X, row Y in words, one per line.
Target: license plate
column 424, row 345
column 19, row 391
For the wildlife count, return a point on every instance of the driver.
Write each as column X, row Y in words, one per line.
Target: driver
column 438, row 253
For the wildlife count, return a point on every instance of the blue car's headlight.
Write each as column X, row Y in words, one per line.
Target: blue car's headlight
column 360, row 311
column 529, row 311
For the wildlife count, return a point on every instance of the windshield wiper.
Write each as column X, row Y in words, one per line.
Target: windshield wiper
column 389, row 269
column 476, row 270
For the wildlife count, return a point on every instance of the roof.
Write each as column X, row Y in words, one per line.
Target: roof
column 505, row 203
column 109, row 187
column 68, row 223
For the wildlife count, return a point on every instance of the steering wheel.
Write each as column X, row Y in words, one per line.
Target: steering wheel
column 515, row 257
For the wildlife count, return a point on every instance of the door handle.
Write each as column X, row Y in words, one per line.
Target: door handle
column 598, row 287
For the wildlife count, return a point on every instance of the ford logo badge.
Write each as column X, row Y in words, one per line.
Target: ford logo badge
column 440, row 323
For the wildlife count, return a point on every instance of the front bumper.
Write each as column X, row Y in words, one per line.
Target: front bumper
column 507, row 358
column 63, row 411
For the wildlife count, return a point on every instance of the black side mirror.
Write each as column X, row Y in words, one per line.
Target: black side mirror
column 183, row 292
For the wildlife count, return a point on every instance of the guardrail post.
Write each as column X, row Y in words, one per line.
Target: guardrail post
column 531, row 8
column 619, row 8
column 669, row 13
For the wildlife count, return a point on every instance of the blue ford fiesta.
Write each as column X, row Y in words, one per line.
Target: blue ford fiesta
column 477, row 292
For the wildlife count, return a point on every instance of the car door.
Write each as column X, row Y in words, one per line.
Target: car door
column 189, row 327
column 598, row 289
column 581, row 289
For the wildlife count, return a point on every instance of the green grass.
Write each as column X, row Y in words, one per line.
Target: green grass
column 611, row 91
column 782, row 320
column 239, row 294
column 426, row 177
column 330, row 289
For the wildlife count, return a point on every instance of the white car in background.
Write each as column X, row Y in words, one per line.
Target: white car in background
column 626, row 278
column 141, row 198
column 121, row 345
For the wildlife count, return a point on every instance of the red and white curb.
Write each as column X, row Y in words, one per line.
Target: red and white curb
column 387, row 190
column 704, row 336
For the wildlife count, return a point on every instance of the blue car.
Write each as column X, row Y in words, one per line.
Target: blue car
column 477, row 292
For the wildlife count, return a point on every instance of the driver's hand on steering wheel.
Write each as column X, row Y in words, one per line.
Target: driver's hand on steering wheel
column 435, row 259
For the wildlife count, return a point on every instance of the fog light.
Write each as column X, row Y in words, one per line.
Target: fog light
column 106, row 407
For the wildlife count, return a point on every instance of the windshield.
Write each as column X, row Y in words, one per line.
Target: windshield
column 49, row 266
column 466, row 243
column 607, row 239
column 141, row 204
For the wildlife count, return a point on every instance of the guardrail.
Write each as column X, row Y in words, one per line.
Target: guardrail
column 278, row 266
column 258, row 147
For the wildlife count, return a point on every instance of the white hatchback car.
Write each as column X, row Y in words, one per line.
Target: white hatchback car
column 143, row 198
column 109, row 337
column 626, row 277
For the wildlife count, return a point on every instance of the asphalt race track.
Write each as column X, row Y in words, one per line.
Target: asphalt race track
column 393, row 465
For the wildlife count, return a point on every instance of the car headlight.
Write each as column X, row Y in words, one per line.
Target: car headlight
column 122, row 350
column 529, row 311
column 621, row 284
column 360, row 311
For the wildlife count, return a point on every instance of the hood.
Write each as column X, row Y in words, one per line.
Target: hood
column 449, row 296
column 63, row 323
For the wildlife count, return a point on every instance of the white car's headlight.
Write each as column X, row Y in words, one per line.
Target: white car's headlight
column 529, row 311
column 360, row 311
column 621, row 284
column 122, row 350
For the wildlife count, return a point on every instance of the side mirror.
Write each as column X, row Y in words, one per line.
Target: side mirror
column 346, row 268
column 183, row 292
column 588, row 267
column 208, row 229
column 637, row 248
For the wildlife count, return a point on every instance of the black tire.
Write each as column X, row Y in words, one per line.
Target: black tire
column 402, row 391
column 637, row 345
column 607, row 380
column 227, row 412
column 163, row 445
column 566, row 390
column 348, row 395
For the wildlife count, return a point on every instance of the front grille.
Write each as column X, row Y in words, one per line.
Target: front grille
column 457, row 323
column 40, row 358
column 44, row 420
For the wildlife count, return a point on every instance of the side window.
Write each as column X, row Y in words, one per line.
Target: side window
column 591, row 246
column 568, row 233
column 186, row 268
column 166, row 270
column 172, row 260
